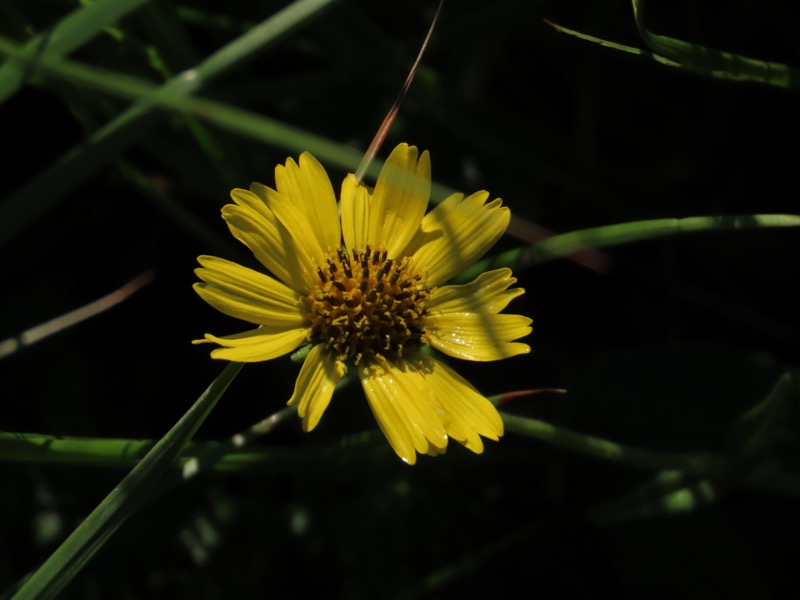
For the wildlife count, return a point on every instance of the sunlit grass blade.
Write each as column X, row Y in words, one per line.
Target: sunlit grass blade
column 41, row 194
column 76, row 551
column 613, row 45
column 69, row 33
column 698, row 59
column 623, row 233
column 715, row 63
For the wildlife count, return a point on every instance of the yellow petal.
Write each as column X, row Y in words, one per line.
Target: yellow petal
column 455, row 234
column 400, row 199
column 264, row 343
column 403, row 409
column 306, row 239
column 253, row 224
column 314, row 388
column 480, row 337
column 466, row 413
column 246, row 294
column 488, row 293
column 308, row 189
column 355, row 213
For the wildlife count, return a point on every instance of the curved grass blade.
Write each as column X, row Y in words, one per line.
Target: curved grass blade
column 69, row 33
column 613, row 45
column 82, row 544
column 698, row 59
column 715, row 63
column 623, row 233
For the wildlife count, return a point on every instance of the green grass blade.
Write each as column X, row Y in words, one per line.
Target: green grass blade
column 566, row 244
column 715, row 63
column 76, row 551
column 37, row 197
column 613, row 45
column 698, row 59
column 69, row 33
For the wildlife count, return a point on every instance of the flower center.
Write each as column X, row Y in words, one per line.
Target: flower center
column 366, row 304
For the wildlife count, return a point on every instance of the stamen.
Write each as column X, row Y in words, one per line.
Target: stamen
column 367, row 305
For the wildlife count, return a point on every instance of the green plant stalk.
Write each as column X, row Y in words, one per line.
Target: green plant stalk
column 82, row 544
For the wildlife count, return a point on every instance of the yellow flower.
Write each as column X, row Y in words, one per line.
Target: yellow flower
column 360, row 282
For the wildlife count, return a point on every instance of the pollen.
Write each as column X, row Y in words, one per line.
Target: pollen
column 367, row 305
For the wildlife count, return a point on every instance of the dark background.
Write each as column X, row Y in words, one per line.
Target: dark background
column 663, row 349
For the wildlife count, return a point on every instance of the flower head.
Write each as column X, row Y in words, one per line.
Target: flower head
column 362, row 282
